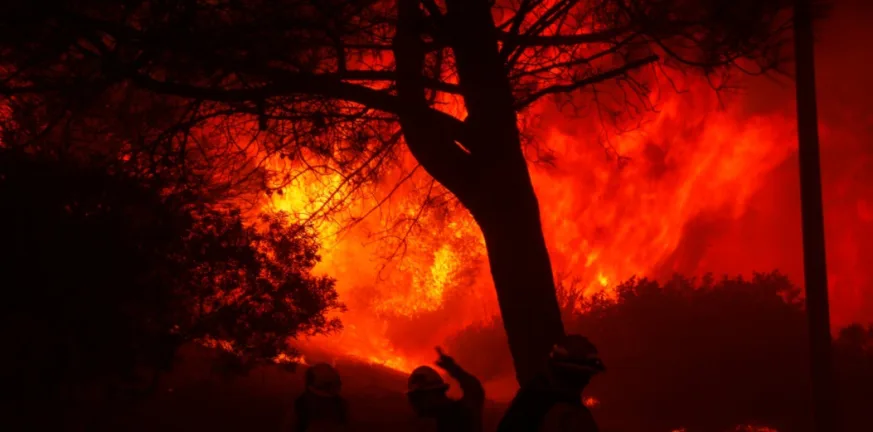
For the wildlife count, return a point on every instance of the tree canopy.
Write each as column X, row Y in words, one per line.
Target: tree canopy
column 105, row 278
column 328, row 75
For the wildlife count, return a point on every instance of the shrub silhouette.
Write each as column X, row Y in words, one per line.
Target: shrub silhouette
column 702, row 354
column 105, row 277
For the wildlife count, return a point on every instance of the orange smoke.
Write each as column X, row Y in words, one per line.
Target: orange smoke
column 603, row 223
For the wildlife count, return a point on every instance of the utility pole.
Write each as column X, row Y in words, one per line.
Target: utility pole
column 812, row 214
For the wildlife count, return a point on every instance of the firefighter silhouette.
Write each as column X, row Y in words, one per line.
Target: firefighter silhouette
column 552, row 402
column 427, row 395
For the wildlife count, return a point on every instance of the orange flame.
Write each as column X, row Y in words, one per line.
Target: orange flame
column 604, row 223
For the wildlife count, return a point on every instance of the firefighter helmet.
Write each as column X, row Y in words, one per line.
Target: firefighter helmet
column 425, row 378
column 576, row 353
column 323, row 380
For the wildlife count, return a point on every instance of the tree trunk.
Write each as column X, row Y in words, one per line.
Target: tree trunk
column 506, row 209
column 812, row 215
column 500, row 194
column 489, row 176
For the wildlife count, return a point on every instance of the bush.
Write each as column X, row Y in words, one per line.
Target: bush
column 105, row 277
column 703, row 354
column 710, row 354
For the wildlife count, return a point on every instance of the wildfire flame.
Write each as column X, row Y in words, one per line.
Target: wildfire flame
column 690, row 164
column 603, row 224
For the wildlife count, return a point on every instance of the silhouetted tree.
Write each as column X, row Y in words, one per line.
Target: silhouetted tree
column 705, row 355
column 104, row 277
column 345, row 79
column 853, row 371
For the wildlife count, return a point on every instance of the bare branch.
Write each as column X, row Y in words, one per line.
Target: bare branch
column 434, row 150
column 567, row 88
column 293, row 83
column 510, row 37
column 558, row 40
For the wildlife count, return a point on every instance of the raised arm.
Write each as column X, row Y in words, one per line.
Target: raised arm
column 474, row 393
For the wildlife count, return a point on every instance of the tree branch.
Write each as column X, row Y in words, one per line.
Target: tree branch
column 557, row 40
column 567, row 88
column 435, row 150
column 297, row 83
column 432, row 9
column 565, row 65
column 390, row 76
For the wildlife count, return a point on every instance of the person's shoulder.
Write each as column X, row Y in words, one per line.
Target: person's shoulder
column 569, row 417
column 563, row 409
column 536, row 387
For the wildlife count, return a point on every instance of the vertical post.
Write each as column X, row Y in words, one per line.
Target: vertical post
column 812, row 214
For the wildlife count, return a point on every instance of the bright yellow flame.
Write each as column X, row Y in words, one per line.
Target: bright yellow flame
column 602, row 279
column 307, row 197
column 285, row 358
column 444, row 263
column 428, row 287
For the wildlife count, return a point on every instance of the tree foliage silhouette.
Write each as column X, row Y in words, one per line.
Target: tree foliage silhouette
column 345, row 79
column 702, row 355
column 104, row 278
column 710, row 354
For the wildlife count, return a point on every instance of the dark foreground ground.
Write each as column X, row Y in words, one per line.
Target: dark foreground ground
column 197, row 398
column 194, row 398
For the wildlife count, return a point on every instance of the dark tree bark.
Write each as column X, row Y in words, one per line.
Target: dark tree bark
column 812, row 215
column 507, row 211
column 492, row 180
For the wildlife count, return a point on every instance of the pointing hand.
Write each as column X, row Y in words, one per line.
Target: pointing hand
column 444, row 361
